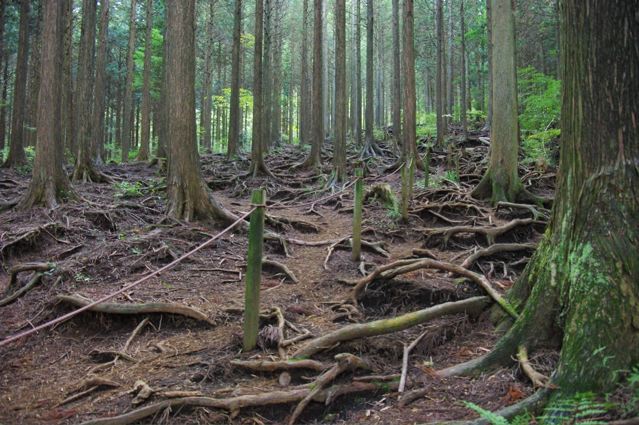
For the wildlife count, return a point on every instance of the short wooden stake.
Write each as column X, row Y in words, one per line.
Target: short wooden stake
column 427, row 168
column 357, row 214
column 254, row 271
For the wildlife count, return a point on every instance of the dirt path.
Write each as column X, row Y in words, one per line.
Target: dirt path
column 119, row 236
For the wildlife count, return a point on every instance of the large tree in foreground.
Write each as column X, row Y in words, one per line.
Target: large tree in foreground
column 581, row 289
column 501, row 181
column 188, row 195
column 339, row 154
column 49, row 182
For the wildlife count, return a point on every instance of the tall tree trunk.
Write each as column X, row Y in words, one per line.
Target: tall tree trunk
column 128, row 87
column 267, row 77
column 99, row 103
column 33, row 83
column 232, row 148
column 4, row 65
column 143, row 154
column 188, row 195
column 450, row 71
column 439, row 77
column 501, row 182
column 489, row 26
column 410, row 97
column 369, row 144
column 305, row 88
column 326, row 94
column 276, row 122
column 339, row 154
column 49, row 183
column 258, row 166
column 314, row 160
column 16, row 155
column 462, row 105
column 397, row 82
column 67, row 80
column 581, row 288
column 84, row 170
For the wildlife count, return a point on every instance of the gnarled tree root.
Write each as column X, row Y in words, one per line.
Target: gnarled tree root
column 282, row 267
column 234, row 404
column 497, row 248
column 400, row 267
column 39, row 269
column 385, row 326
column 144, row 308
column 489, row 232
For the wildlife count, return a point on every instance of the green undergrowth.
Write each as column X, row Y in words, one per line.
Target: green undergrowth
column 585, row 408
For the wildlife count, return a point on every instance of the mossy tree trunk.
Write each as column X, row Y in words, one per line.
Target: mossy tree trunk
column 339, row 154
column 188, row 195
column 582, row 286
column 501, row 182
column 49, row 183
column 99, row 100
column 127, row 117
column 145, row 137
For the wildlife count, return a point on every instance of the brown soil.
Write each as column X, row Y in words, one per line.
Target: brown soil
column 113, row 239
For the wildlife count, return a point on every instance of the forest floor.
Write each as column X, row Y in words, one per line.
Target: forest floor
column 121, row 233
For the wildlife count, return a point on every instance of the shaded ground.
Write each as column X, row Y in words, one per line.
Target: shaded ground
column 119, row 233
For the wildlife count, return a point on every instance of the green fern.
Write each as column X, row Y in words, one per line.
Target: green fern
column 487, row 414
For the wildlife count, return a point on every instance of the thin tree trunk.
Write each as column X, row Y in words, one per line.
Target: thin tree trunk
column 267, row 77
column 339, row 154
column 276, row 122
column 128, row 87
column 369, row 146
column 67, row 80
column 462, row 105
column 100, row 84
column 16, row 155
column 439, row 77
column 450, row 71
column 232, row 148
column 314, row 160
column 143, row 154
column 410, row 98
column 33, row 83
column 489, row 26
column 397, row 82
column 4, row 65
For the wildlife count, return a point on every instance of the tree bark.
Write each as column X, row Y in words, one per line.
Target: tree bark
column 3, row 64
column 439, row 89
column 99, row 104
column 339, row 154
column 234, row 121
column 489, row 26
column 128, row 87
column 276, row 121
column 145, row 137
column 84, row 170
column 462, row 108
column 188, row 195
column 313, row 160
column 67, row 81
column 397, row 79
column 369, row 143
column 581, row 287
column 16, row 155
column 49, row 183
column 410, row 101
column 501, row 181
column 33, row 82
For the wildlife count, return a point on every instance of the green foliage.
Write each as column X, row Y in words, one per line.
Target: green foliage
column 427, row 126
column 378, row 134
column 487, row 414
column 452, row 176
column 476, row 118
column 537, row 145
column 582, row 408
column 125, row 189
column 27, row 168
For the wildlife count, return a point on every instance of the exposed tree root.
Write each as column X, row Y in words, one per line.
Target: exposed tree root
column 400, row 267
column 282, row 267
column 542, row 214
column 87, row 387
column 395, row 324
column 26, row 288
column 497, row 248
column 532, row 404
column 538, row 380
column 234, row 404
column 145, row 308
column 273, row 366
column 407, row 349
column 29, row 236
column 38, row 268
column 345, row 361
column 302, row 225
column 489, row 232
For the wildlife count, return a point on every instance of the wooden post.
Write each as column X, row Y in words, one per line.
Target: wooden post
column 357, row 214
column 411, row 179
column 404, row 206
column 427, row 168
column 254, row 271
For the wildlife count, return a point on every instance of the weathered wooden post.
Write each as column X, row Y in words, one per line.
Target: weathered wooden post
column 357, row 213
column 254, row 271
column 427, row 168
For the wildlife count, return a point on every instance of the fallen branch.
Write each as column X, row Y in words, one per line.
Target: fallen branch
column 234, row 404
column 273, row 366
column 407, row 350
column 395, row 324
column 496, row 248
column 26, row 288
column 144, row 308
column 88, row 386
column 345, row 361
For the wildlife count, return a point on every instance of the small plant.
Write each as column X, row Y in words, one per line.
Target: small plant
column 125, row 189
column 81, row 277
column 452, row 176
column 582, row 408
